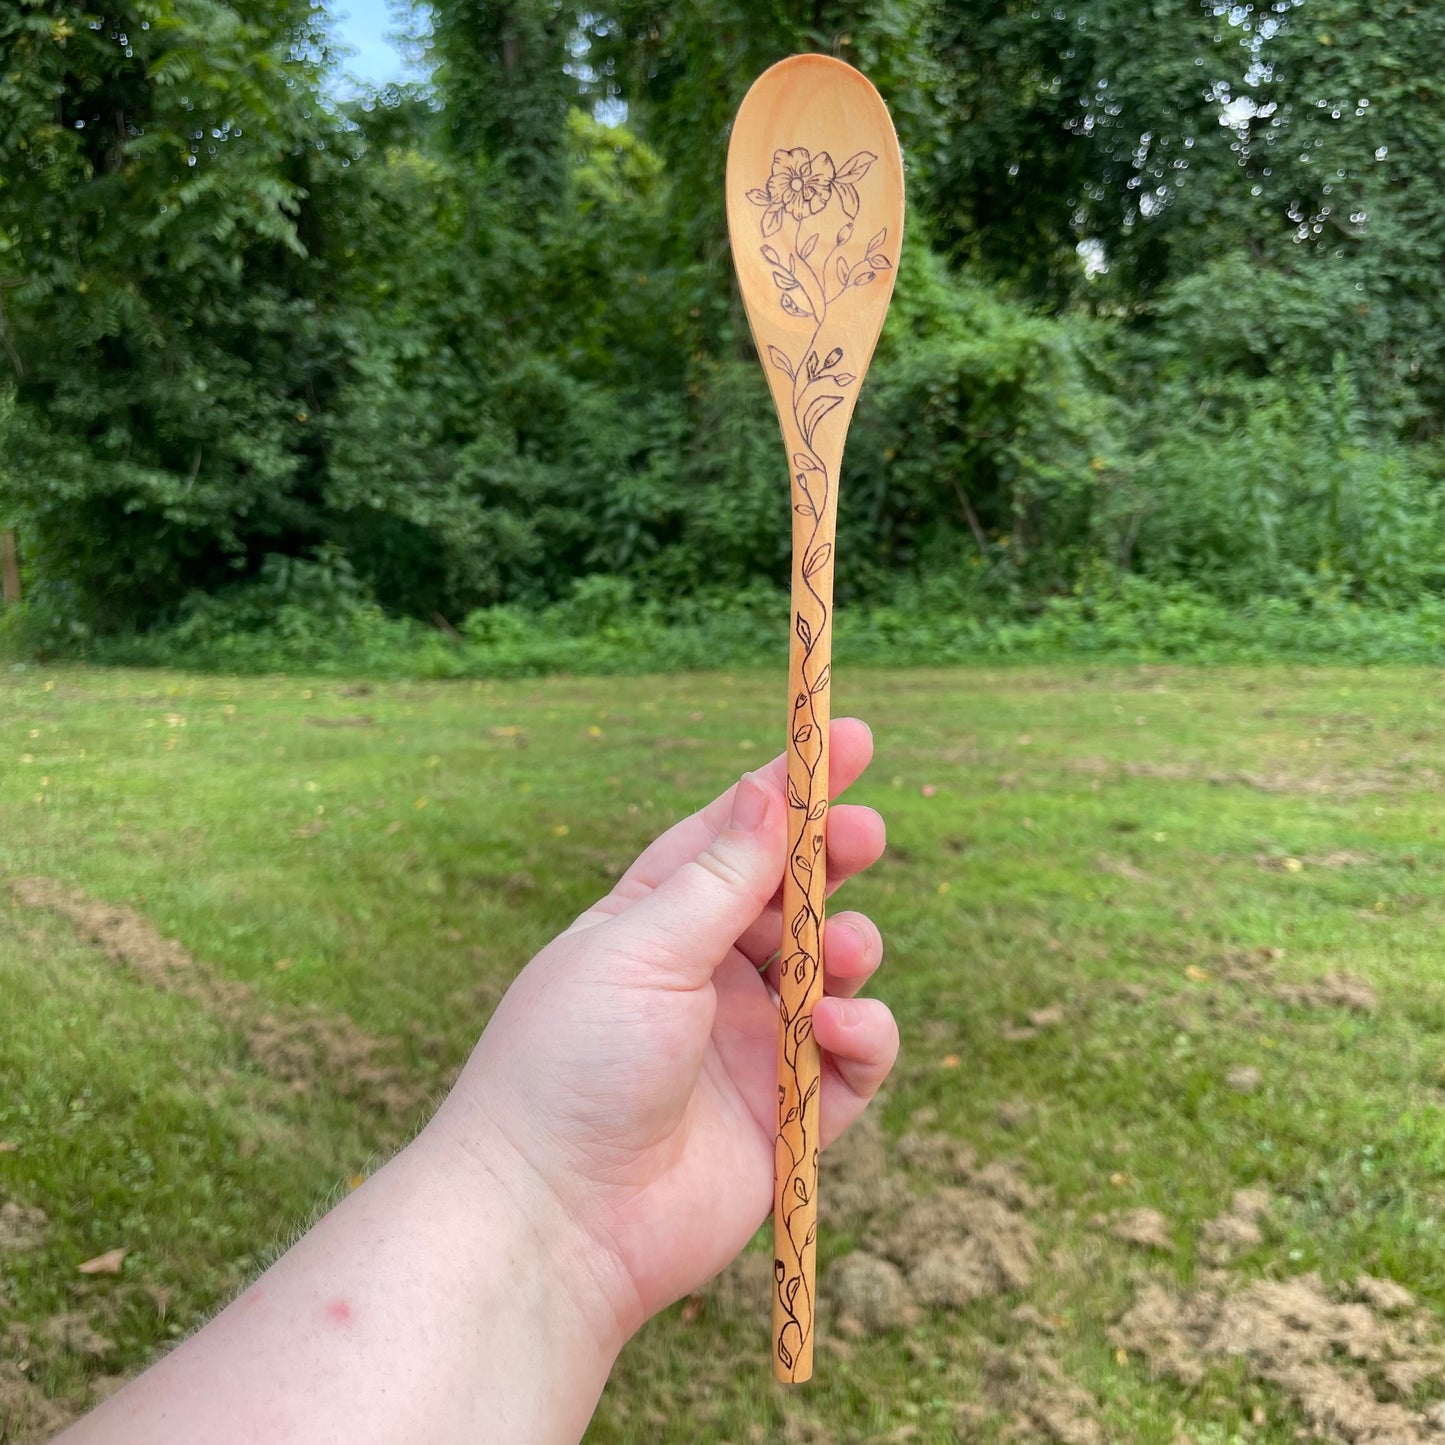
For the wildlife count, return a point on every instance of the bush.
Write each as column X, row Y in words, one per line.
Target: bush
column 603, row 627
column 978, row 442
column 1276, row 488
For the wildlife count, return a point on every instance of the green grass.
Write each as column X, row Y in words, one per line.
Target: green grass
column 1109, row 841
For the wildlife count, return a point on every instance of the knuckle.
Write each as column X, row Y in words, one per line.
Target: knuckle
column 720, row 868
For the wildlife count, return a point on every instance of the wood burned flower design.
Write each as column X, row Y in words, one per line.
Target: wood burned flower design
column 801, row 184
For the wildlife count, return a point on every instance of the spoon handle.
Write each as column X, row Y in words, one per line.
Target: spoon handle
column 795, row 1174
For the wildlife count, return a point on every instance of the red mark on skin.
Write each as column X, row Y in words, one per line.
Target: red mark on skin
column 254, row 1298
column 339, row 1312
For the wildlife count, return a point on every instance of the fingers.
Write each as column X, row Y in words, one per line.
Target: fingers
column 856, row 840
column 852, row 952
column 850, row 749
column 678, row 932
column 859, row 1039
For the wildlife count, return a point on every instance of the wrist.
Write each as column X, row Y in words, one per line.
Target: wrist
column 585, row 1290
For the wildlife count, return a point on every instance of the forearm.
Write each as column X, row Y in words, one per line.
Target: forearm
column 433, row 1305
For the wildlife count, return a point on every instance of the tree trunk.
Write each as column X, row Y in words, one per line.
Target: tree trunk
column 9, row 568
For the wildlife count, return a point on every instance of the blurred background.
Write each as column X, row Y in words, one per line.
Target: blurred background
column 392, row 320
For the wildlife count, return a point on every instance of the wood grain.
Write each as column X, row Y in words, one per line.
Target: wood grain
column 815, row 216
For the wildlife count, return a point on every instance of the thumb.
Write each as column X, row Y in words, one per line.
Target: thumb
column 685, row 926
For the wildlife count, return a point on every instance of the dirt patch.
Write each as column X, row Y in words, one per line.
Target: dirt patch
column 102, row 1387
column 360, row 720
column 1345, row 1362
column 300, row 1049
column 936, row 1229
column 1344, row 858
column 1384, row 1295
column 1230, row 1234
column 1165, row 772
column 1253, row 968
column 1037, row 1021
column 1006, row 1184
column 743, row 1289
column 857, row 1178
column 961, row 1243
column 1334, row 785
column 1330, row 990
column 941, row 1156
column 26, row 1412
column 127, row 938
column 1029, row 1385
column 74, row 1334
column 870, row 1294
column 1338, row 785
column 1013, row 1114
column 21, row 1228
column 1243, row 1079
column 1277, row 863
column 1145, row 1227
column 1120, row 868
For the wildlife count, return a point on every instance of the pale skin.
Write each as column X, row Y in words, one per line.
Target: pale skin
column 607, row 1149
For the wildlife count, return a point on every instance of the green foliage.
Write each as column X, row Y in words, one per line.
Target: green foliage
column 160, row 286
column 1273, row 485
column 683, row 69
column 515, row 361
column 976, row 442
column 503, row 68
column 1279, row 166
column 477, row 346
column 606, row 627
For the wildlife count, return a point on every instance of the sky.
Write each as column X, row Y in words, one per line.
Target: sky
column 361, row 26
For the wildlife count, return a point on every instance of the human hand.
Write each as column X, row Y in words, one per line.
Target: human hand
column 629, row 1076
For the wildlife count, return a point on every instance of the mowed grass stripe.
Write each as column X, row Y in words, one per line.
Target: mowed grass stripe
column 306, row 1049
column 135, row 1119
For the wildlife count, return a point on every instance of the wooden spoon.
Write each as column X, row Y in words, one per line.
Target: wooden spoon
column 815, row 215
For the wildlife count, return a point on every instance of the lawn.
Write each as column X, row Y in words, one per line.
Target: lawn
column 1164, row 1156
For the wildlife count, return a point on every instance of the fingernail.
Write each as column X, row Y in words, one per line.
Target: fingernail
column 750, row 804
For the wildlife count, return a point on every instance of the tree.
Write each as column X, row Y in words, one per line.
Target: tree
column 161, row 323
column 504, row 70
